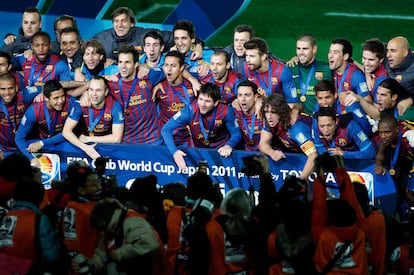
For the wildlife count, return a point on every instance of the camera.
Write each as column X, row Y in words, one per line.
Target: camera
column 202, row 166
column 251, row 166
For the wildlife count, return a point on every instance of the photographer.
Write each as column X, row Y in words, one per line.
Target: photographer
column 338, row 225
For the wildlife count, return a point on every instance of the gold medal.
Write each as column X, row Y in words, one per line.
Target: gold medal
column 206, row 142
column 251, row 141
column 302, row 98
column 392, row 172
column 91, row 134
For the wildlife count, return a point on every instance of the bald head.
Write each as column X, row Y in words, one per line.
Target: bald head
column 397, row 50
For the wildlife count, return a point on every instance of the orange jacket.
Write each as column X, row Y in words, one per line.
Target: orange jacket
column 375, row 232
column 18, row 234
column 78, row 234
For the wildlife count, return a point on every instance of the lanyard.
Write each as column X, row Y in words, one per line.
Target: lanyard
column 13, row 124
column 251, row 129
column 48, row 122
column 394, row 158
column 33, row 77
column 94, row 122
column 126, row 102
column 269, row 79
column 303, row 86
column 343, row 77
column 185, row 100
column 210, row 125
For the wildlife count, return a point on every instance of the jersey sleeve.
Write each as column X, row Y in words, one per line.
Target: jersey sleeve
column 300, row 133
column 117, row 114
column 359, row 85
column 63, row 71
column 155, row 76
column 288, row 86
column 233, row 128
column 362, row 141
column 320, row 147
column 181, row 118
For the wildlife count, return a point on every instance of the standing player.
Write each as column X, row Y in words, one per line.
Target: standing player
column 308, row 71
column 153, row 48
column 212, row 125
column 176, row 93
column 103, row 121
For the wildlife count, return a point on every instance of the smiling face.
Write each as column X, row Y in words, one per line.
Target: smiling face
column 205, row 103
column 127, row 66
column 305, row 52
column 254, row 60
column 325, row 98
column 122, row 24
column 327, row 127
column 97, row 92
column 8, row 91
column 57, row 100
column 183, row 41
column 91, row 58
column 370, row 61
column 69, row 43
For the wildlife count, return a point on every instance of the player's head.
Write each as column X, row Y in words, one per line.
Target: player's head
column 242, row 34
column 325, row 93
column 128, row 62
column 5, row 62
column 247, row 95
column 31, row 21
column 373, row 54
column 208, row 97
column 276, row 111
column 123, row 19
column 388, row 129
column 184, row 35
column 41, row 46
column 326, row 118
column 306, row 49
column 70, row 41
column 256, row 53
column 174, row 67
column 93, row 54
column 98, row 90
column 389, row 93
column 219, row 65
column 340, row 53
column 55, row 95
column 8, row 88
column 153, row 45
column 62, row 22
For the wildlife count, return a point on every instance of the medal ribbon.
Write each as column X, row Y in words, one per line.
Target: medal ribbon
column 251, row 129
column 126, row 102
column 48, row 122
column 303, row 86
column 94, row 122
column 269, row 80
column 210, row 125
column 13, row 124
column 394, row 158
column 33, row 77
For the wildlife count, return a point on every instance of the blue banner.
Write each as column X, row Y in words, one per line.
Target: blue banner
column 128, row 162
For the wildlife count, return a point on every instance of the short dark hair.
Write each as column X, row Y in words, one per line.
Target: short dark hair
column 394, row 87
column 99, row 77
column 176, row 54
column 326, row 111
column 257, row 43
column 129, row 49
column 346, row 46
column 156, row 35
column 389, row 119
column 41, row 34
column 51, row 86
column 224, row 53
column 65, row 17
column 324, row 85
column 124, row 10
column 247, row 83
column 375, row 46
column 94, row 43
column 307, row 37
column 185, row 25
column 211, row 90
column 245, row 28
column 8, row 76
column 33, row 10
column 29, row 191
column 71, row 29
column 7, row 56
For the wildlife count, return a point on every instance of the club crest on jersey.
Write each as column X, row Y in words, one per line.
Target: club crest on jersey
column 107, row 117
column 49, row 68
column 346, row 86
column 319, row 75
column 274, row 80
column 342, row 141
column 143, row 84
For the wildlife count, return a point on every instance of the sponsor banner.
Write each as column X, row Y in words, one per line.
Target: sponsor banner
column 128, row 162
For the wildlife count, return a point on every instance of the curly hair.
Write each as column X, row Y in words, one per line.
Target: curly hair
column 278, row 105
